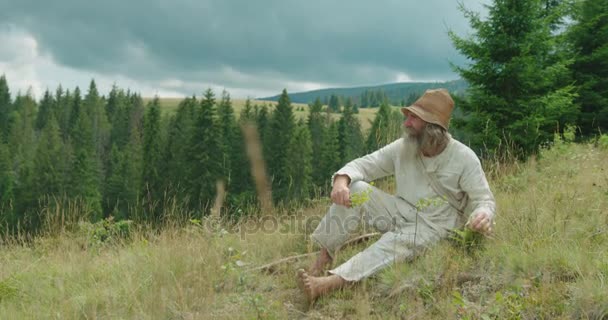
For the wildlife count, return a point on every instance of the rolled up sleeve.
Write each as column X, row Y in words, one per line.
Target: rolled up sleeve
column 376, row 165
column 475, row 184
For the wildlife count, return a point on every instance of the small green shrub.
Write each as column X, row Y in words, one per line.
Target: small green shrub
column 603, row 141
column 105, row 231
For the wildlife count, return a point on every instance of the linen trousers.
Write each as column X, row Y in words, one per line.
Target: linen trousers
column 404, row 232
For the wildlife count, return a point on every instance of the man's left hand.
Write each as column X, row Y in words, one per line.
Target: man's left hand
column 481, row 223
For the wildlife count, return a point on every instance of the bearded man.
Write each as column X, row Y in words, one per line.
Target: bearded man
column 440, row 186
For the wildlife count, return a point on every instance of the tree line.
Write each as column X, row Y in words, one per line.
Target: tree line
column 535, row 67
column 117, row 156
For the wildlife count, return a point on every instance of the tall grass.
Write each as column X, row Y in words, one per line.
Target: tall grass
column 546, row 260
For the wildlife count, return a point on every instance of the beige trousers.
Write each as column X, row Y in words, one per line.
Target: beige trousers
column 403, row 236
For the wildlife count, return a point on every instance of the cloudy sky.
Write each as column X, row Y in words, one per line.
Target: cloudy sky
column 250, row 48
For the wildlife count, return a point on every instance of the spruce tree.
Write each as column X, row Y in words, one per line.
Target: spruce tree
column 62, row 110
column 351, row 141
column 85, row 184
column 281, row 132
column 299, row 159
column 49, row 161
column 5, row 106
column 589, row 38
column 228, row 135
column 517, row 92
column 205, row 155
column 152, row 154
column 75, row 107
column 330, row 154
column 22, row 146
column 49, row 167
column 8, row 220
column 131, row 171
column 45, row 110
column 118, row 108
column 334, row 103
column 95, row 107
column 180, row 133
column 316, row 127
column 380, row 133
column 247, row 113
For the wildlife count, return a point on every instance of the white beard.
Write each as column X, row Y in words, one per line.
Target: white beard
column 411, row 142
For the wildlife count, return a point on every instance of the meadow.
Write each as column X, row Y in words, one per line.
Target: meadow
column 300, row 110
column 546, row 260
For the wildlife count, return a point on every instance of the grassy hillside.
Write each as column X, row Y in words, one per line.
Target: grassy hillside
column 365, row 116
column 547, row 260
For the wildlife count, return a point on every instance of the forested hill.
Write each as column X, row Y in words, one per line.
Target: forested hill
column 395, row 92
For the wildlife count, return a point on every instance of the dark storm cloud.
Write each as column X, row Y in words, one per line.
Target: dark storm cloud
column 255, row 44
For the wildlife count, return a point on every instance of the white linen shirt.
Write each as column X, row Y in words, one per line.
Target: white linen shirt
column 457, row 168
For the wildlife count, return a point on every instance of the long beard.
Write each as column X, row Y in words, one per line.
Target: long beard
column 412, row 140
column 423, row 142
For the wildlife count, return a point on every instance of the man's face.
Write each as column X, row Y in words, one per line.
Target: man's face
column 413, row 124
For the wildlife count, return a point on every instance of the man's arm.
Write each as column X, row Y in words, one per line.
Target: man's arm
column 376, row 165
column 367, row 168
column 475, row 184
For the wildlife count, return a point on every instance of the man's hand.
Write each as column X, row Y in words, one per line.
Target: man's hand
column 340, row 194
column 481, row 223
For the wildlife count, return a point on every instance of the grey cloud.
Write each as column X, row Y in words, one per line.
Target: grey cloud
column 353, row 42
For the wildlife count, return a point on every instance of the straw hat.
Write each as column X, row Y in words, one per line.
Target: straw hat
column 435, row 106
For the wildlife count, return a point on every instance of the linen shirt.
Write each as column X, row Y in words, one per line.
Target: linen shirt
column 457, row 168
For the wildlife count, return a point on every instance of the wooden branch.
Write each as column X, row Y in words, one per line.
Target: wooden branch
column 270, row 267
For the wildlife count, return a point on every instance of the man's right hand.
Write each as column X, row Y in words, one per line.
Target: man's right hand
column 340, row 193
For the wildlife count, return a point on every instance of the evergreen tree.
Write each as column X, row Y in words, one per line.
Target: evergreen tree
column 382, row 130
column 94, row 106
column 247, row 113
column 75, row 112
column 114, row 186
column 152, row 154
column 316, row 127
column 8, row 220
column 299, row 159
column 5, row 106
column 22, row 145
column 351, row 142
column 136, row 113
column 516, row 91
column 49, row 167
column 85, row 176
column 262, row 121
column 118, row 108
column 124, row 179
column 176, row 156
column 63, row 109
column 334, row 103
column 281, row 132
column 330, row 154
column 411, row 98
column 589, row 37
column 205, row 154
column 49, row 161
column 45, row 110
column 243, row 190
column 228, row 135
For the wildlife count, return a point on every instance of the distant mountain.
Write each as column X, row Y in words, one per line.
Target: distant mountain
column 395, row 92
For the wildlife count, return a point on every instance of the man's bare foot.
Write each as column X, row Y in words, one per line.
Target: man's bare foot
column 314, row 287
column 318, row 267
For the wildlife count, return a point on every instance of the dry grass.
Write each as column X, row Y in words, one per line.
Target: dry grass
column 300, row 110
column 547, row 260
